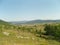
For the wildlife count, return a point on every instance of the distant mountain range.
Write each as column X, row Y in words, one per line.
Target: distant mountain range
column 35, row 21
column 30, row 22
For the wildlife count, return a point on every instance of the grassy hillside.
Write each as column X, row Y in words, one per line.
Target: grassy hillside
column 4, row 22
column 24, row 35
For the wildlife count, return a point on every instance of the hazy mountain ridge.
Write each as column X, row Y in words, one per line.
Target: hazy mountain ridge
column 35, row 21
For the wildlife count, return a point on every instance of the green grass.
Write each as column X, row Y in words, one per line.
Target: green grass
column 13, row 40
column 19, row 37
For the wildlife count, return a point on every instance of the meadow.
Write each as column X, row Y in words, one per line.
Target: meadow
column 30, row 34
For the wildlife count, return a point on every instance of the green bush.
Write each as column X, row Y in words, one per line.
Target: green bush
column 53, row 30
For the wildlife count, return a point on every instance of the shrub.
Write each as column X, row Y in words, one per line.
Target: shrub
column 53, row 30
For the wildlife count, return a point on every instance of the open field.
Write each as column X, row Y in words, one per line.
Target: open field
column 24, row 35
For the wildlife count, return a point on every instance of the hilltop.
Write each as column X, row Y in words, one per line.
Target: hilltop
column 2, row 22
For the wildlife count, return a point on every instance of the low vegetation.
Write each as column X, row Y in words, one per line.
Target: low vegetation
column 38, row 34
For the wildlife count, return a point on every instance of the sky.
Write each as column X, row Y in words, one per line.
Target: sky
column 18, row 10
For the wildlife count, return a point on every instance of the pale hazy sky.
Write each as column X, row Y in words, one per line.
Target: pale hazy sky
column 17, row 10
